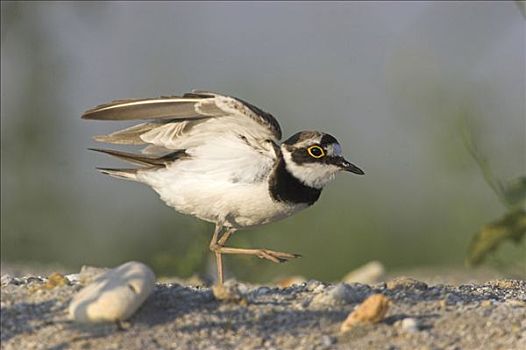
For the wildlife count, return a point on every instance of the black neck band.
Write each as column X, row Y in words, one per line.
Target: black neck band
column 284, row 187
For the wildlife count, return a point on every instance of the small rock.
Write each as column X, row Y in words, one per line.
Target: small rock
column 56, row 280
column 73, row 278
column 406, row 283
column 88, row 274
column 443, row 304
column 33, row 280
column 486, row 303
column 369, row 273
column 327, row 340
column 339, row 294
column 7, row 279
column 263, row 290
column 230, row 291
column 410, row 325
column 314, row 286
column 113, row 296
column 194, row 280
column 372, row 310
column 290, row 281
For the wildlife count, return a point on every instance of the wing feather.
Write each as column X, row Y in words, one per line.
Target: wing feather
column 142, row 159
column 192, row 106
column 231, row 138
column 128, row 136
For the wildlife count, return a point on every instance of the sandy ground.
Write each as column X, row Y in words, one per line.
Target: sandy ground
column 490, row 315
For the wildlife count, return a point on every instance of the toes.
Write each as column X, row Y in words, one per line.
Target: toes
column 278, row 257
column 265, row 255
column 289, row 256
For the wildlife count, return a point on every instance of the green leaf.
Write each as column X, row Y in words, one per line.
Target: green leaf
column 511, row 226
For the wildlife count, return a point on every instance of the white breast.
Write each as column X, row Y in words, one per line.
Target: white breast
column 216, row 198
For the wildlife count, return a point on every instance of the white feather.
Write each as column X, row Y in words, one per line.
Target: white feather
column 225, row 178
column 212, row 197
column 165, row 135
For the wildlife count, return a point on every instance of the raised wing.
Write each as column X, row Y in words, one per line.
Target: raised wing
column 223, row 132
column 191, row 106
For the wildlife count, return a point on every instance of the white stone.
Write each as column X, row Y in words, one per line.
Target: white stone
column 338, row 294
column 369, row 273
column 114, row 295
column 410, row 325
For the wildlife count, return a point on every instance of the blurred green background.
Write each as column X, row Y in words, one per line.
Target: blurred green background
column 398, row 83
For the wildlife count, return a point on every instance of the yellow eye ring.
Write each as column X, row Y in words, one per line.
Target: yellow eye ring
column 316, row 151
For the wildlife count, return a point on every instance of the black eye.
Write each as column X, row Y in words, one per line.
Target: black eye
column 315, row 151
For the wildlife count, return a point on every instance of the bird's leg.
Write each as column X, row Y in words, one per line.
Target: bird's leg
column 217, row 246
column 271, row 255
column 219, row 259
column 225, row 237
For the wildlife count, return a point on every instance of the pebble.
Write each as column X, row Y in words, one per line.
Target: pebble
column 88, row 274
column 114, row 295
column 314, row 286
column 56, row 280
column 7, row 279
column 231, row 291
column 290, row 281
column 263, row 290
column 486, row 303
column 372, row 310
column 406, row 283
column 442, row 304
column 410, row 325
column 369, row 273
column 327, row 340
column 340, row 294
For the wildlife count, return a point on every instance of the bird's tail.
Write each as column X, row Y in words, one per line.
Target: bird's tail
column 147, row 162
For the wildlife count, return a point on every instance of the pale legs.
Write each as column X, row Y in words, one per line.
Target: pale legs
column 217, row 245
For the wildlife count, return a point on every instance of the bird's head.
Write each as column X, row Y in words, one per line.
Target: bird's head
column 314, row 158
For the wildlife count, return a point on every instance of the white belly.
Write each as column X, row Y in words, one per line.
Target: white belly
column 216, row 200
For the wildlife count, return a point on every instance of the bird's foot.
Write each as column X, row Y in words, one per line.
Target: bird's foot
column 277, row 257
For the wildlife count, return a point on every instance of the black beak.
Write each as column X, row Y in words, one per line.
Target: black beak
column 348, row 166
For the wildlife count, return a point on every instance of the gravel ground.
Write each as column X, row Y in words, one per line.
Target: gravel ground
column 488, row 315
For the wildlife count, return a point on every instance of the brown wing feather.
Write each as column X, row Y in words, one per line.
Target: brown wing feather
column 191, row 106
column 142, row 159
column 128, row 136
column 159, row 108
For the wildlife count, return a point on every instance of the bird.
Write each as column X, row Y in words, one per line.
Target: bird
column 219, row 158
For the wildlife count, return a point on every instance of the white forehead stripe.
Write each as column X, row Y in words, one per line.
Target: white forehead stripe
column 334, row 149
